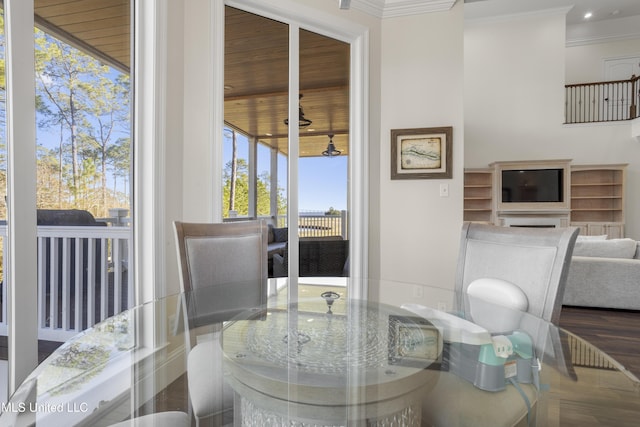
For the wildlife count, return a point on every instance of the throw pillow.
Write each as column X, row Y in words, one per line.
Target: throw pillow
column 270, row 236
column 582, row 238
column 613, row 248
column 280, row 234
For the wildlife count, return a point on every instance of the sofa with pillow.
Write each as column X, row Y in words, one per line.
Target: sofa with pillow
column 604, row 273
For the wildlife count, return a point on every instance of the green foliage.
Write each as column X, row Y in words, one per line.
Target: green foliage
column 332, row 211
column 241, row 201
column 86, row 105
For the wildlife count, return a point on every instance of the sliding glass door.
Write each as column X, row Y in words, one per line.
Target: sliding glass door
column 287, row 141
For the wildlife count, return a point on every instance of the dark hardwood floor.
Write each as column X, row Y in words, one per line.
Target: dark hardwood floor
column 616, row 332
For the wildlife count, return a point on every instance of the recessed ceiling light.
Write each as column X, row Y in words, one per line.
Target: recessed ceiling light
column 588, row 15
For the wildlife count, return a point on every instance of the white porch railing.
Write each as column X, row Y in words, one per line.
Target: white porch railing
column 319, row 224
column 83, row 278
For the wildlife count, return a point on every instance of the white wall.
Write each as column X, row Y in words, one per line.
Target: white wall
column 172, row 201
column 514, row 100
column 422, row 73
column 184, row 124
column 514, row 88
column 585, row 63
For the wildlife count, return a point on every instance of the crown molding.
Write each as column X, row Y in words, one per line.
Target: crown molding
column 607, row 31
column 494, row 19
column 573, row 42
column 394, row 8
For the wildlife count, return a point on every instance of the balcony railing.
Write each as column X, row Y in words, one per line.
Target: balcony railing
column 83, row 278
column 602, row 101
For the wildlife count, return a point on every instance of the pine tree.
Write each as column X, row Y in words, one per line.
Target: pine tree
column 89, row 103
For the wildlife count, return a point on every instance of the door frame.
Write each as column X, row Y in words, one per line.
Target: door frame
column 20, row 245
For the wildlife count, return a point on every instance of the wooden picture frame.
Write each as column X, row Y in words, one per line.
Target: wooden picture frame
column 421, row 153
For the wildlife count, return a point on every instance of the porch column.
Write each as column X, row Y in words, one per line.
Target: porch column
column 273, row 187
column 253, row 178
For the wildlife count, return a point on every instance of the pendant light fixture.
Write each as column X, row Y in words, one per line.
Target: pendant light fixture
column 331, row 148
column 303, row 122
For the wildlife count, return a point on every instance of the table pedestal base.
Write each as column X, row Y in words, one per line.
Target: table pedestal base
column 252, row 415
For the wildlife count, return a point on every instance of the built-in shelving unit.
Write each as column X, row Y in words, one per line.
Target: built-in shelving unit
column 595, row 196
column 478, row 195
column 597, row 199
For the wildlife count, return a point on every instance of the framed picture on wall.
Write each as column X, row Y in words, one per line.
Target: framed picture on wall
column 421, row 153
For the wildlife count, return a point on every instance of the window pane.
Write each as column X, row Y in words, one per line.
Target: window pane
column 264, row 181
column 323, row 162
column 83, row 160
column 236, row 174
column 282, row 176
column 83, row 130
column 256, row 81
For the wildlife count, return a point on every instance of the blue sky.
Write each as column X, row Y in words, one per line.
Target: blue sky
column 323, row 183
column 322, row 180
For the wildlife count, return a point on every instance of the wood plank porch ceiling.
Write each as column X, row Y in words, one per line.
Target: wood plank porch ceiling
column 256, row 68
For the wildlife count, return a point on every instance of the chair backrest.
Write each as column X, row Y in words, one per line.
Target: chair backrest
column 223, row 269
column 534, row 259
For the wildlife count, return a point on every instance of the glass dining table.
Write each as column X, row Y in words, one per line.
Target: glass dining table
column 315, row 357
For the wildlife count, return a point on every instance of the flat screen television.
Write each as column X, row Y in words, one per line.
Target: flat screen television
column 532, row 185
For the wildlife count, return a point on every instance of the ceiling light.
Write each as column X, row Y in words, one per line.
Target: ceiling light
column 588, row 15
column 331, row 148
column 303, row 122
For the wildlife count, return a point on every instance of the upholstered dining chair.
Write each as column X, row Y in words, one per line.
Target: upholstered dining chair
column 223, row 271
column 536, row 260
column 524, row 269
column 496, row 262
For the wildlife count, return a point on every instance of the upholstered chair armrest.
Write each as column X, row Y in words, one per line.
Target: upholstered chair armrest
column 280, row 266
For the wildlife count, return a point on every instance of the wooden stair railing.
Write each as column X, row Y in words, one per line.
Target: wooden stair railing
column 602, row 101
